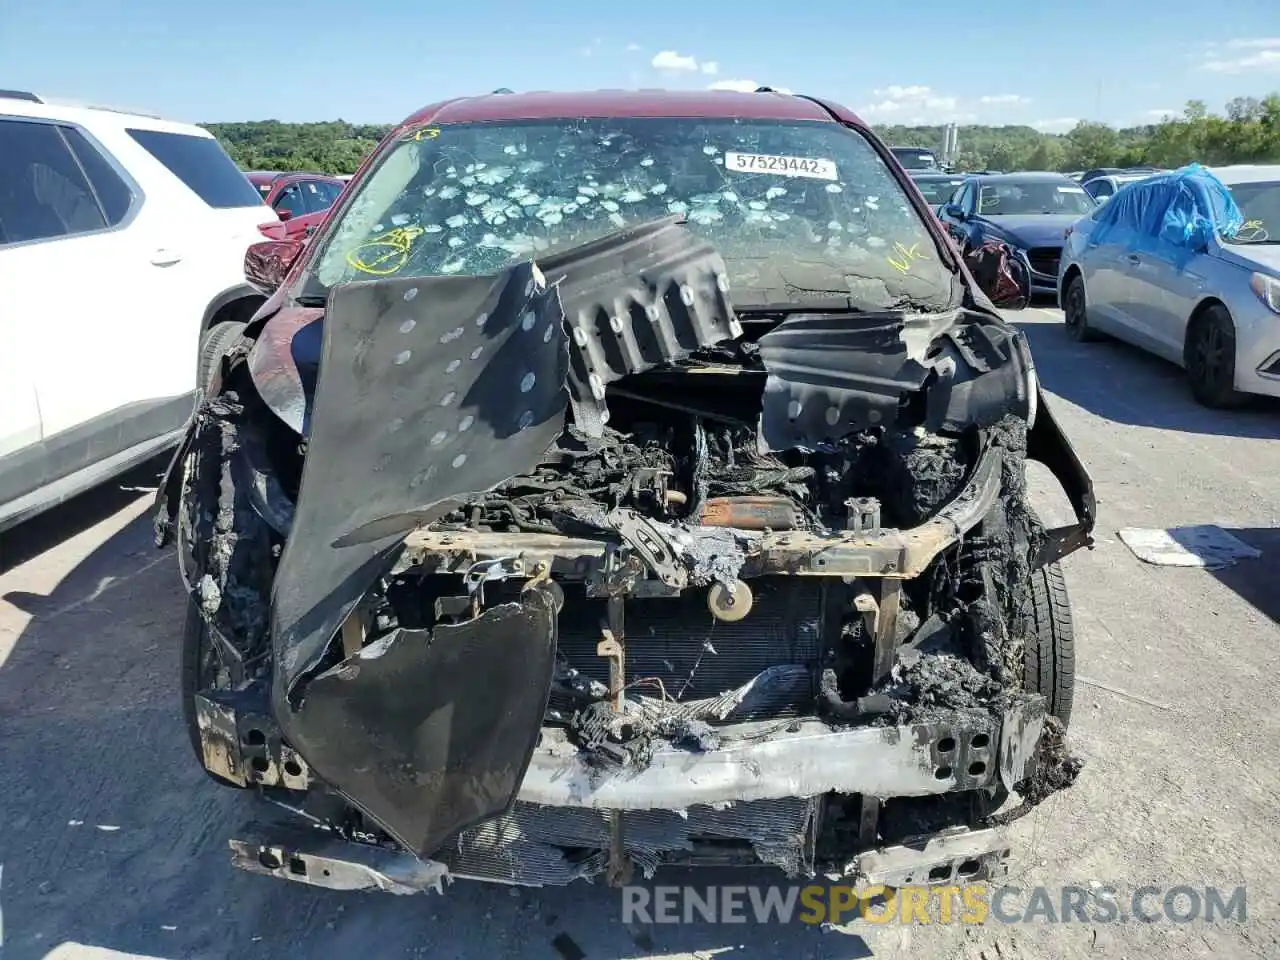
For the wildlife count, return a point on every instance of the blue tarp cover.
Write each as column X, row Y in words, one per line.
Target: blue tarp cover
column 1170, row 209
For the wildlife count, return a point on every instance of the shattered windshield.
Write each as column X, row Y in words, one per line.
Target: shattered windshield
column 1033, row 197
column 799, row 210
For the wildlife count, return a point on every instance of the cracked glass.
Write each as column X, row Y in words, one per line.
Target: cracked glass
column 797, row 209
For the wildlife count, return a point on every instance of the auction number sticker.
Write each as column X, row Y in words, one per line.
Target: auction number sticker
column 813, row 167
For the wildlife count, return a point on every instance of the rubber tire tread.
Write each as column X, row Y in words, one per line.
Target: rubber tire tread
column 1050, row 657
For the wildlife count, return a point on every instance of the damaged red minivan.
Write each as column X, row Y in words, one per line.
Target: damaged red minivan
column 627, row 479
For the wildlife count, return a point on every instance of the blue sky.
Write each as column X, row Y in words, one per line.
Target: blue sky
column 378, row 60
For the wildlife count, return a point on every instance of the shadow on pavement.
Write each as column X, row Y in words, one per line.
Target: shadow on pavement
column 1122, row 383
column 115, row 840
column 46, row 530
column 1255, row 581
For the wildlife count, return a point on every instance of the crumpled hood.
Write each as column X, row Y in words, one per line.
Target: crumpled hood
column 1035, row 230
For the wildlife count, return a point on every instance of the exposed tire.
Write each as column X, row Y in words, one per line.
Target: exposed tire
column 217, row 340
column 1209, row 354
column 1075, row 312
column 230, row 550
column 1050, row 656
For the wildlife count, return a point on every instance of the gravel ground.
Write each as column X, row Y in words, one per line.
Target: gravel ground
column 113, row 843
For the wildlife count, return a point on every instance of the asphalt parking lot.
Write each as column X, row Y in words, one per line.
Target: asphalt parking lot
column 113, row 843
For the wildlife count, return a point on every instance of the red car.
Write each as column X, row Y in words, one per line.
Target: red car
column 619, row 479
column 300, row 200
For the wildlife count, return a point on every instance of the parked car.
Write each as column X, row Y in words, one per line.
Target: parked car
column 300, row 200
column 122, row 246
column 1103, row 187
column 917, row 158
column 1028, row 211
column 937, row 188
column 1186, row 265
column 625, row 371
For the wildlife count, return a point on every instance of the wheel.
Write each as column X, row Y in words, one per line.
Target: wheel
column 228, row 552
column 217, row 340
column 1050, row 656
column 1074, row 312
column 1210, row 357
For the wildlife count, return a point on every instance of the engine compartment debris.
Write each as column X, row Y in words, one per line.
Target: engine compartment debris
column 555, row 539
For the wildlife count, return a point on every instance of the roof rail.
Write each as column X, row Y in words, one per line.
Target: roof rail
column 765, row 90
column 504, row 90
column 19, row 95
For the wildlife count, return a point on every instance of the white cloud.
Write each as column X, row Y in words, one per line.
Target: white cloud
column 1264, row 58
column 1056, row 125
column 710, row 67
column 1161, row 113
column 1005, row 99
column 742, row 86
column 1257, row 43
column 896, row 92
column 922, row 101
column 674, row 62
column 1264, row 61
column 633, row 48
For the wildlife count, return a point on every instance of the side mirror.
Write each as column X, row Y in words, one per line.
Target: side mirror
column 267, row 263
column 284, row 214
column 1002, row 273
column 953, row 211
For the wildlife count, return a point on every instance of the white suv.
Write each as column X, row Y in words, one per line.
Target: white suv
column 122, row 243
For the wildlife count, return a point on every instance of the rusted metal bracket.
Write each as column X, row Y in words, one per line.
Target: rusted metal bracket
column 880, row 617
column 612, row 647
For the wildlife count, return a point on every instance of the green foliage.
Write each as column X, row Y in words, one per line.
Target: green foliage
column 331, row 147
column 1249, row 132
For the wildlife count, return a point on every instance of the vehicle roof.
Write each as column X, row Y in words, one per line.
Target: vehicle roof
column 935, row 175
column 270, row 176
column 549, row 105
column 1029, row 176
column 19, row 103
column 1247, row 172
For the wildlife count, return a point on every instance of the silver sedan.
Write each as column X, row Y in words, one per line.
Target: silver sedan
column 1155, row 271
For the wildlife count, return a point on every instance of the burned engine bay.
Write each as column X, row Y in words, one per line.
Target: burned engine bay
column 574, row 569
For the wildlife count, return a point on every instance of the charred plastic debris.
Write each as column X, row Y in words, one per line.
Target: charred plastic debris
column 573, row 569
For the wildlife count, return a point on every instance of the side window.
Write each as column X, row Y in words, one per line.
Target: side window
column 1099, row 189
column 969, row 199
column 43, row 191
column 201, row 164
column 114, row 195
column 329, row 193
column 290, row 198
column 318, row 195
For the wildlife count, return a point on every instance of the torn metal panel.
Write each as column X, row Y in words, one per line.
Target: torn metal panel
column 834, row 374
column 321, row 858
column 644, row 296
column 429, row 732
column 220, row 740
column 965, row 856
column 432, row 387
column 831, row 375
column 285, row 363
column 1047, row 444
column 1021, row 729
column 762, row 761
column 534, row 845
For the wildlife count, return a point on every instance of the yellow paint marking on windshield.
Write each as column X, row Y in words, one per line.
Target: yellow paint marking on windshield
column 902, row 263
column 386, row 254
column 422, row 133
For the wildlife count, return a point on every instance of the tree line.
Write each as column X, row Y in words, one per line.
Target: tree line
column 1248, row 131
